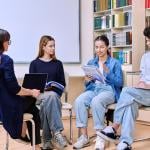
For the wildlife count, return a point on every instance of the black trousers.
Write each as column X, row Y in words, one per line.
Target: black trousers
column 30, row 107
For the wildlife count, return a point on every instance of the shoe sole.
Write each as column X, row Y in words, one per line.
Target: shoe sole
column 86, row 145
column 108, row 138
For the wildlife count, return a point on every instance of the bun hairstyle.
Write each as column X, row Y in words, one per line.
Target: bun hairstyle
column 102, row 38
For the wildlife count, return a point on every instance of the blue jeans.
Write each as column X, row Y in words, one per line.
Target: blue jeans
column 97, row 100
column 126, row 110
column 50, row 114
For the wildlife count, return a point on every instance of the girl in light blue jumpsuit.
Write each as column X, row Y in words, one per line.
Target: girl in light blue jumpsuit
column 130, row 99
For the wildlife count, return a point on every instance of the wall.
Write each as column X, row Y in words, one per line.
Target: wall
column 86, row 32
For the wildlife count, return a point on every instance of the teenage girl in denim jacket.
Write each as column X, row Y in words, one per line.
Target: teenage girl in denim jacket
column 97, row 95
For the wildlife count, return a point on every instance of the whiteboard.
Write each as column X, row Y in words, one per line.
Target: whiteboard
column 28, row 20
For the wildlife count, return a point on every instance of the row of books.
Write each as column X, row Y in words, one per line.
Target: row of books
column 102, row 22
column 121, row 3
column 101, row 5
column 122, row 19
column 118, row 20
column 125, row 57
column 147, row 3
column 122, row 38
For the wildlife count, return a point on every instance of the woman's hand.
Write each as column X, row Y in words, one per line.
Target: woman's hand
column 35, row 93
column 143, row 85
column 88, row 78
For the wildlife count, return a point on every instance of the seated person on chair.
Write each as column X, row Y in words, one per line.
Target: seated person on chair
column 14, row 99
column 131, row 98
column 50, row 103
column 98, row 95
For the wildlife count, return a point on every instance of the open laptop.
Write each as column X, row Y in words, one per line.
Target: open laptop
column 35, row 81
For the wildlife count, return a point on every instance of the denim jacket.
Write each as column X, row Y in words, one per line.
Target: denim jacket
column 114, row 77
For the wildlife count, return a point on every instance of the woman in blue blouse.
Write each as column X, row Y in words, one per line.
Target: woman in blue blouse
column 98, row 95
column 50, row 103
column 14, row 99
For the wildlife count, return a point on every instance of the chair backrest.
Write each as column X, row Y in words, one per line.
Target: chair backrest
column 67, row 86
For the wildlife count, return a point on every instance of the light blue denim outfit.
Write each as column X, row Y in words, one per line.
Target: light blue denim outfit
column 50, row 114
column 130, row 99
column 98, row 95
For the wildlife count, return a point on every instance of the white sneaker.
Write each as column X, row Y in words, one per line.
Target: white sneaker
column 123, row 146
column 59, row 141
column 100, row 143
column 108, row 134
column 82, row 141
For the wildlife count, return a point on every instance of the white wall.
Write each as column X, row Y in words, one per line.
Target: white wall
column 86, row 30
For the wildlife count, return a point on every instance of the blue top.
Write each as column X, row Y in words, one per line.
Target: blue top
column 11, row 105
column 54, row 68
column 114, row 77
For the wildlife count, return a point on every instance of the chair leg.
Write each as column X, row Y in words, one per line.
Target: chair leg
column 7, row 141
column 79, row 132
column 142, row 139
column 33, row 134
column 71, row 131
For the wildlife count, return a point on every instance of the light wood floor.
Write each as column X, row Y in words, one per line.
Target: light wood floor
column 141, row 130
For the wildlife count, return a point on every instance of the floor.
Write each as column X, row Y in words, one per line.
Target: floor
column 141, row 130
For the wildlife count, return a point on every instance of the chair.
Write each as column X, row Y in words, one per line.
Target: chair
column 110, row 113
column 67, row 86
column 26, row 117
column 68, row 107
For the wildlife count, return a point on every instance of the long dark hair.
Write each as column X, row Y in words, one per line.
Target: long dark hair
column 43, row 42
column 105, row 40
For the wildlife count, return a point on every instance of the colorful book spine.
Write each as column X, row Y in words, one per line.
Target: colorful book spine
column 121, row 19
column 124, row 57
column 97, row 23
column 102, row 22
column 147, row 3
column 94, row 6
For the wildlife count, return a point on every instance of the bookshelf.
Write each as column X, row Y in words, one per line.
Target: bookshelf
column 123, row 22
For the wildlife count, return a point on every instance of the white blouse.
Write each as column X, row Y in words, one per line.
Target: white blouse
column 145, row 68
